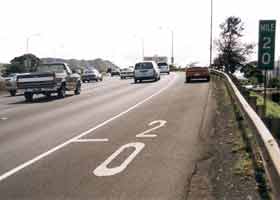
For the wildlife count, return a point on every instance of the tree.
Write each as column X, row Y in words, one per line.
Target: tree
column 250, row 71
column 274, row 83
column 24, row 63
column 231, row 51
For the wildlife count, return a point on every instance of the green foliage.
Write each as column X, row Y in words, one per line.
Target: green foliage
column 100, row 64
column 21, row 64
column 253, row 81
column 252, row 72
column 232, row 52
column 273, row 109
column 172, row 68
column 274, row 83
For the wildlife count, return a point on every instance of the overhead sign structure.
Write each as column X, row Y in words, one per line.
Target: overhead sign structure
column 266, row 44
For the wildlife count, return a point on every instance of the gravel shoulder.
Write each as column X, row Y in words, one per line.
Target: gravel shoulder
column 225, row 170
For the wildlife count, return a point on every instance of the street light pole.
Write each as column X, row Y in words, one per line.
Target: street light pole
column 27, row 41
column 211, row 34
column 27, row 44
column 172, row 44
column 172, row 47
column 143, row 49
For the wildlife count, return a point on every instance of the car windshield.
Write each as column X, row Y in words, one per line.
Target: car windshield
column 144, row 65
column 51, row 68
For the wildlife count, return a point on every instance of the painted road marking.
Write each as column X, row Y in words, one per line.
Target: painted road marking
column 103, row 170
column 49, row 152
column 3, row 118
column 91, row 140
column 145, row 133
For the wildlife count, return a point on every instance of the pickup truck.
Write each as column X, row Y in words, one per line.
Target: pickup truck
column 49, row 78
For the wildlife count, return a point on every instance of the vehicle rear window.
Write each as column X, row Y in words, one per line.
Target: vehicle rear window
column 51, row 68
column 162, row 64
column 145, row 65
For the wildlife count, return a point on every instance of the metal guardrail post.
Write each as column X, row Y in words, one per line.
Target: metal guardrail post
column 253, row 102
column 260, row 111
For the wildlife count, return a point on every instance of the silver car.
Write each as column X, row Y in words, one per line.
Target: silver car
column 147, row 70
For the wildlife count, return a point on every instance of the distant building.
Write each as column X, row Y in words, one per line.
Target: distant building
column 157, row 59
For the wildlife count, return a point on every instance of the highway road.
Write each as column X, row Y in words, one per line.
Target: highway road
column 117, row 140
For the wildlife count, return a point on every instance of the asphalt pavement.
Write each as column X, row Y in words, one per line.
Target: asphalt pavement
column 117, row 140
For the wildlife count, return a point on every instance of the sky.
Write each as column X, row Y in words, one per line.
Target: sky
column 115, row 29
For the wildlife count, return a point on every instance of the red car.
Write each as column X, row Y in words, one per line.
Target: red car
column 197, row 73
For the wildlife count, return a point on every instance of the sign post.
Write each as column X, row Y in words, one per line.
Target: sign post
column 266, row 49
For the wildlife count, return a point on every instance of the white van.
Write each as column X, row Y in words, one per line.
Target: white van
column 164, row 68
column 147, row 70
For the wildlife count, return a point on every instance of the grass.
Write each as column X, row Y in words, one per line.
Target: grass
column 244, row 165
column 273, row 109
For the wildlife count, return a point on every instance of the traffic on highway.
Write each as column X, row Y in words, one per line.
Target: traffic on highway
column 139, row 100
column 112, row 131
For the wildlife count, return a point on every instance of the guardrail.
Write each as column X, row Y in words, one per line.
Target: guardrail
column 269, row 149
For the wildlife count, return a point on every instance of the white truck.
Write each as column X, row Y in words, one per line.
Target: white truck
column 49, row 78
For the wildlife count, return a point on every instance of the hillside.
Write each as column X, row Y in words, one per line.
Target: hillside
column 100, row 64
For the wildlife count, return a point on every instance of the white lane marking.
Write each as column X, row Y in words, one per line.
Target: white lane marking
column 47, row 153
column 103, row 170
column 91, row 140
column 3, row 118
column 145, row 133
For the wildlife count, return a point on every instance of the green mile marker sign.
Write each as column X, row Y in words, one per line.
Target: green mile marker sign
column 267, row 30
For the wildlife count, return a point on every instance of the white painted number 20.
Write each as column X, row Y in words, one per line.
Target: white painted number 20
column 104, row 169
column 145, row 134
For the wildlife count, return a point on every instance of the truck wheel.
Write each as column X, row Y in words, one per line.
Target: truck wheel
column 48, row 95
column 62, row 92
column 13, row 92
column 78, row 89
column 28, row 96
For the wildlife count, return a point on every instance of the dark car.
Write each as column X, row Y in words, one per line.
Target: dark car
column 197, row 73
column 115, row 72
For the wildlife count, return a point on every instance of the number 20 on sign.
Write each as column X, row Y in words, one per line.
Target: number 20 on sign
column 266, row 44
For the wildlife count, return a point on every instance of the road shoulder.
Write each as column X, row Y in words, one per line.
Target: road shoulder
column 225, row 170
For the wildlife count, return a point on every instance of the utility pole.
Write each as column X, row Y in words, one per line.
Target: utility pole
column 172, row 47
column 143, row 49
column 211, row 34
